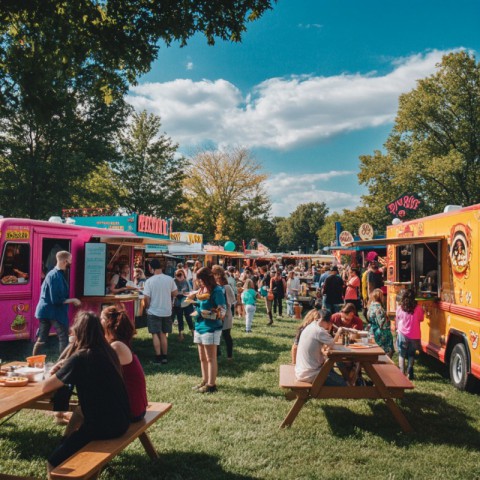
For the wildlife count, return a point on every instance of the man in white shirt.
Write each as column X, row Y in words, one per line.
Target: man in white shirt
column 159, row 292
column 312, row 346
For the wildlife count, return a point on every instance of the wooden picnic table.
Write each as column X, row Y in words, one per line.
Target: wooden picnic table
column 388, row 383
column 13, row 399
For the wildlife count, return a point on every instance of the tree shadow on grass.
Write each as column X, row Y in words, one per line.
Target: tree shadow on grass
column 250, row 352
column 433, row 420
column 171, row 466
column 18, row 350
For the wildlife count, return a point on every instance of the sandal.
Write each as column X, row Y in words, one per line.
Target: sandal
column 207, row 389
column 199, row 386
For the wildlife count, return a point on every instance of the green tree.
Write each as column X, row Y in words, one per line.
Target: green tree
column 434, row 147
column 225, row 195
column 149, row 171
column 64, row 69
column 299, row 230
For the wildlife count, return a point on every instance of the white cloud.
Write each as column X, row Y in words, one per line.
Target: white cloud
column 189, row 66
column 281, row 113
column 287, row 191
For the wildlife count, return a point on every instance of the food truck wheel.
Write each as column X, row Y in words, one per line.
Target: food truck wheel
column 459, row 367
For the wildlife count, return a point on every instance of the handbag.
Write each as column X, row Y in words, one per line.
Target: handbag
column 270, row 296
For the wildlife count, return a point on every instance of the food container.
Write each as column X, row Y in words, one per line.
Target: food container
column 35, row 360
column 209, row 315
column 31, row 373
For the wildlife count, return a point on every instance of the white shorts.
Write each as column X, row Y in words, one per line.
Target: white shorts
column 210, row 338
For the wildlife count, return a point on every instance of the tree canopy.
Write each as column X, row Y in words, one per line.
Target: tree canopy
column 225, row 195
column 64, row 70
column 434, row 147
column 149, row 171
column 299, row 230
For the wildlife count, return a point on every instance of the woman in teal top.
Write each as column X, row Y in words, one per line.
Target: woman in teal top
column 208, row 331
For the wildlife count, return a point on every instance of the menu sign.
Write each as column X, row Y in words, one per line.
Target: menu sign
column 402, row 205
column 95, row 268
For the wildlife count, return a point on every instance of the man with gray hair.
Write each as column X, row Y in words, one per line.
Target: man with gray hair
column 52, row 308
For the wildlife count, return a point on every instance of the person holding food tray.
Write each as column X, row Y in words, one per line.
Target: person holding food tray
column 208, row 316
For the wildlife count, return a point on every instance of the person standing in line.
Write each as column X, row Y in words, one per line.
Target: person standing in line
column 278, row 287
column 230, row 297
column 233, row 285
column 265, row 285
column 352, row 290
column 179, row 312
column 208, row 331
column 379, row 322
column 196, row 267
column 409, row 317
column 249, row 299
column 293, row 289
column 52, row 308
column 374, row 278
column 159, row 292
column 188, row 274
column 333, row 291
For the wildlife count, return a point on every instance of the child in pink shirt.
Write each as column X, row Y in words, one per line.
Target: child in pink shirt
column 409, row 316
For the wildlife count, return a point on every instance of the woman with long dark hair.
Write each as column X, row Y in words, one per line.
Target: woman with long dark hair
column 119, row 333
column 210, row 311
column 93, row 368
column 409, row 317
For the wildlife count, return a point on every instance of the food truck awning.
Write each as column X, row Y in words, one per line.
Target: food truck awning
column 380, row 242
column 134, row 240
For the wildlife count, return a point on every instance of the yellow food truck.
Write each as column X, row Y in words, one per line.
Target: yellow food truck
column 439, row 257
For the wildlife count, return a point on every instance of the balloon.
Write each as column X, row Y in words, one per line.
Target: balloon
column 229, row 246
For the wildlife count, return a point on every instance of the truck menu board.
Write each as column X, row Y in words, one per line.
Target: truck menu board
column 95, row 268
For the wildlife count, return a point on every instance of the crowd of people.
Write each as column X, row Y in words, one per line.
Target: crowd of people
column 206, row 300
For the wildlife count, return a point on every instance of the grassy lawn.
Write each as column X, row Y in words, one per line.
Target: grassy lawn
column 234, row 434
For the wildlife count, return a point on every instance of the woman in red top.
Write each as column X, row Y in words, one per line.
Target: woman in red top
column 353, row 289
column 119, row 333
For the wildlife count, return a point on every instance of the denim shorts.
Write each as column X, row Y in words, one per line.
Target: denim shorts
column 407, row 346
column 159, row 324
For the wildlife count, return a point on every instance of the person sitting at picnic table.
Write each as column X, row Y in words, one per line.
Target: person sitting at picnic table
column 94, row 369
column 347, row 317
column 119, row 333
column 312, row 348
column 310, row 317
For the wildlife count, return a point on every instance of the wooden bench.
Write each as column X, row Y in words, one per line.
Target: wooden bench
column 88, row 461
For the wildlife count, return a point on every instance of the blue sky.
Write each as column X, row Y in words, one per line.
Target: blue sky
column 313, row 85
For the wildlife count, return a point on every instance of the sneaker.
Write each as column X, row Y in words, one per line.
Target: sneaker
column 164, row 360
column 411, row 375
column 157, row 359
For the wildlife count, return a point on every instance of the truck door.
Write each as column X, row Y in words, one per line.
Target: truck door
column 46, row 246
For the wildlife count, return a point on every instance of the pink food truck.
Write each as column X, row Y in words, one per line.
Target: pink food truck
column 28, row 252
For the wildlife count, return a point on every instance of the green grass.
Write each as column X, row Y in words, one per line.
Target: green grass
column 234, row 434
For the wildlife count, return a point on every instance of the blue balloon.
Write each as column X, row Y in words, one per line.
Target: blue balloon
column 229, row 246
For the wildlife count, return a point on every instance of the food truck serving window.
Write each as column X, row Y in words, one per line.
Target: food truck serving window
column 15, row 266
column 420, row 265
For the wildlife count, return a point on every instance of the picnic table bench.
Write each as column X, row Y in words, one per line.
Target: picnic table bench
column 88, row 462
column 388, row 383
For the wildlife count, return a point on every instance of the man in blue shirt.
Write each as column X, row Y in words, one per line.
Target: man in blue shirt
column 52, row 308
